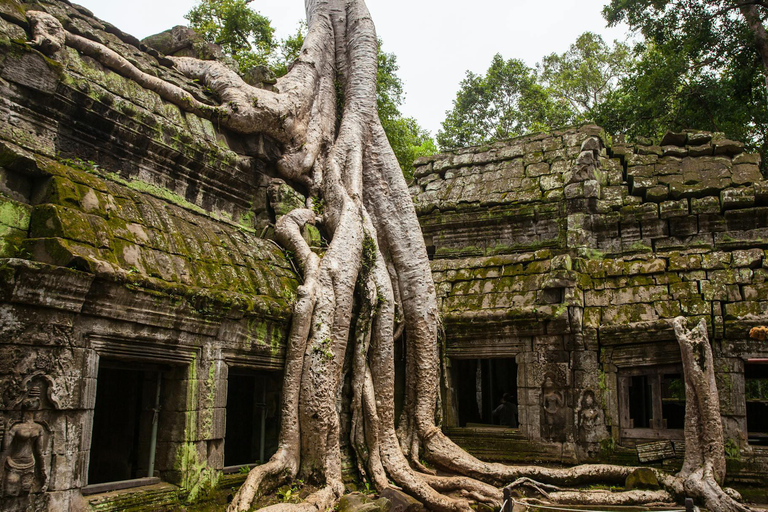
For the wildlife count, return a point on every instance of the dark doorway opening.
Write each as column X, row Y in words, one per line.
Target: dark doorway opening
column 756, row 394
column 480, row 385
column 125, row 421
column 253, row 417
column 640, row 402
column 673, row 400
column 652, row 399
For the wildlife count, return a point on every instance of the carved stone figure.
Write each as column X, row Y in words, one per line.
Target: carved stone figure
column 552, row 403
column 589, row 423
column 22, row 458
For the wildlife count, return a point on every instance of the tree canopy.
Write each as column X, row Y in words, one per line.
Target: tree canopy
column 508, row 100
column 694, row 65
column 242, row 33
column 588, row 72
column 512, row 99
column 699, row 66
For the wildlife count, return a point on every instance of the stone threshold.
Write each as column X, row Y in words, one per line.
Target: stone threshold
column 152, row 495
column 119, row 485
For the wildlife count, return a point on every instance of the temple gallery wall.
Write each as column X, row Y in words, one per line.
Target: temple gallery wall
column 144, row 308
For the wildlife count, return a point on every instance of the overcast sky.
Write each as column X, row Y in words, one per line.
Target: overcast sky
column 436, row 41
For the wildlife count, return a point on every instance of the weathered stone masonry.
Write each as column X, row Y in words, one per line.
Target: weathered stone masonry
column 571, row 254
column 131, row 238
column 134, row 242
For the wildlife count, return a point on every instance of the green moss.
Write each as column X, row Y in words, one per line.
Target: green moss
column 14, row 214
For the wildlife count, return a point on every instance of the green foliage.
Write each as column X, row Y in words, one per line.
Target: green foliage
column 586, row 73
column 677, row 389
column 241, row 32
column 291, row 493
column 732, row 449
column 288, row 50
column 409, row 141
column 245, row 35
column 507, row 101
column 756, row 389
column 369, row 254
column 698, row 67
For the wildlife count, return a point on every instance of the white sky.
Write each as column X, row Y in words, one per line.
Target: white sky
column 435, row 41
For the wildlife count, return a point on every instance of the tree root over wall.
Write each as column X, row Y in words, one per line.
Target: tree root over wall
column 374, row 278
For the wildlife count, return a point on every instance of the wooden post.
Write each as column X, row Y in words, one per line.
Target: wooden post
column 507, row 500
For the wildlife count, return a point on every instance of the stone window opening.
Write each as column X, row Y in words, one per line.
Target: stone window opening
column 126, row 419
column 552, row 296
column 486, row 391
column 756, row 395
column 253, row 418
column 652, row 402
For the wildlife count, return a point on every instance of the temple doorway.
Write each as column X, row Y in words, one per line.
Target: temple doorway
column 253, row 417
column 480, row 386
column 125, row 422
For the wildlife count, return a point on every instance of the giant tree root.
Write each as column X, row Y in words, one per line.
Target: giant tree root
column 373, row 281
column 703, row 468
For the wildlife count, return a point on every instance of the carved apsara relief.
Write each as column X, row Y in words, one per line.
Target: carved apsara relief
column 25, row 457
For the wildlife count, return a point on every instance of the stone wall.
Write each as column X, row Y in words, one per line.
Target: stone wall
column 131, row 233
column 572, row 253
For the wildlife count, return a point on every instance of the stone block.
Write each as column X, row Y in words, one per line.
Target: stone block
column 533, row 157
column 174, row 425
column 752, row 258
column 32, row 70
column 686, row 262
column 697, row 138
column 761, row 193
column 667, row 309
column 700, row 150
column 755, row 291
column 746, row 174
column 711, row 223
column 537, row 169
column 675, row 151
column 705, row 205
column 681, row 227
column 641, row 478
column 551, row 182
column 677, row 208
column 728, row 147
column 641, row 171
column 591, row 189
column 636, row 159
column 736, row 198
column 657, row 193
column 401, row 502
column 653, row 229
column 674, row 139
column 649, row 150
column 715, row 260
column 574, row 190
column 684, row 290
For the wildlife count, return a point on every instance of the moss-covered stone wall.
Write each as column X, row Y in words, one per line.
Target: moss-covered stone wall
column 131, row 233
column 572, row 252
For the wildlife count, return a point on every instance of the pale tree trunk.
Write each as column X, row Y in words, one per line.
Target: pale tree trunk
column 703, row 470
column 376, row 265
column 751, row 13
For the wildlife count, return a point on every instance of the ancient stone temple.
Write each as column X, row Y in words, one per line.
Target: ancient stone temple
column 144, row 308
column 560, row 260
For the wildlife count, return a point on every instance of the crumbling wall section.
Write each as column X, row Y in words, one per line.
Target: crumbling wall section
column 572, row 253
column 131, row 233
